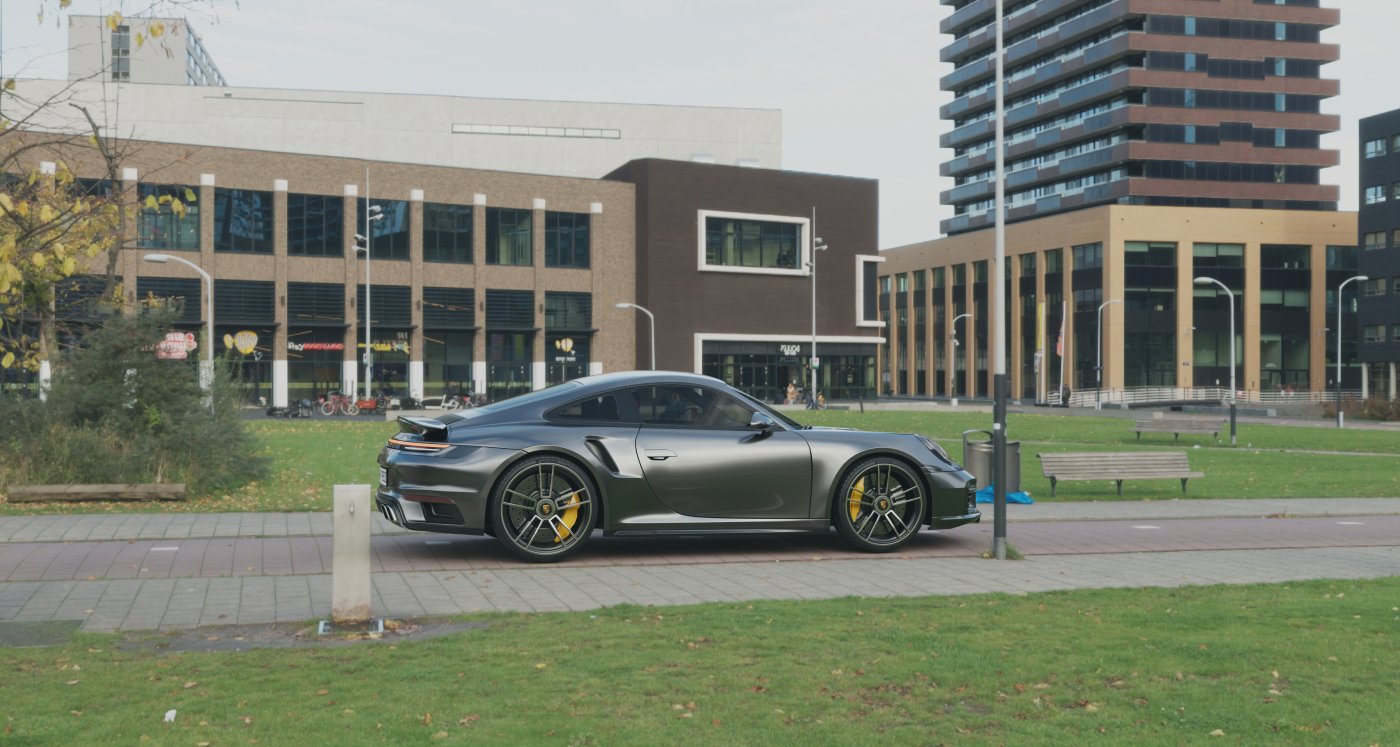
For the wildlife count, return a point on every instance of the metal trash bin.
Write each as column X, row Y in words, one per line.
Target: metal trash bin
column 977, row 459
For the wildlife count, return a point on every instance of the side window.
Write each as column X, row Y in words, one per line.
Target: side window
column 602, row 409
column 689, row 406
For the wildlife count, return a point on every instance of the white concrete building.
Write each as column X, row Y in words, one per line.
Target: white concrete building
column 556, row 138
column 130, row 53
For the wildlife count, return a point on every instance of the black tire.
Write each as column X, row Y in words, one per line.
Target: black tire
column 327, row 408
column 543, row 509
column 880, row 505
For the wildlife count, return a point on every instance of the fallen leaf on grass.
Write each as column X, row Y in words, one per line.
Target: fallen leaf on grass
column 1218, row 733
column 190, row 685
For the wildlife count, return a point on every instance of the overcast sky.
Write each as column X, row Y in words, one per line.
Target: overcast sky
column 857, row 82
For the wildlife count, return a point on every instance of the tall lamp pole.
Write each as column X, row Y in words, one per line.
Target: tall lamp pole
column 1362, row 278
column 1231, row 294
column 650, row 316
column 1000, row 384
column 363, row 242
column 206, row 369
column 954, row 328
column 1098, row 365
column 817, row 246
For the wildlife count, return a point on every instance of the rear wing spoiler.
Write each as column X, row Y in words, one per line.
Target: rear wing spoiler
column 428, row 428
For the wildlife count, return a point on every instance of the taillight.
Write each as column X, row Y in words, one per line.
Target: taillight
column 420, row 447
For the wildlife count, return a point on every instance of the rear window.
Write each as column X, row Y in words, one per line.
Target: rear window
column 601, row 409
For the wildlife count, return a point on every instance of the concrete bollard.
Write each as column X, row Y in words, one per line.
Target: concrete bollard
column 350, row 581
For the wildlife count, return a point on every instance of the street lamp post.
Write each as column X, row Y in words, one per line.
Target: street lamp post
column 362, row 244
column 954, row 328
column 1098, row 364
column 1208, row 281
column 650, row 316
column 206, row 369
column 817, row 246
column 1362, row 278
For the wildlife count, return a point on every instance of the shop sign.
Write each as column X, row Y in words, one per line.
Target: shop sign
column 387, row 346
column 565, row 346
column 176, row 346
column 244, row 341
column 297, row 347
column 790, row 350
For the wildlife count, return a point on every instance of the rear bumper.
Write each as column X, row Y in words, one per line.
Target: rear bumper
column 422, row 516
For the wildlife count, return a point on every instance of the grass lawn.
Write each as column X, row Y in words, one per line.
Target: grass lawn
column 309, row 457
column 1301, row 663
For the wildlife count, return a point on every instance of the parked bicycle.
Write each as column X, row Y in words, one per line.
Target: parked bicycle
column 336, row 403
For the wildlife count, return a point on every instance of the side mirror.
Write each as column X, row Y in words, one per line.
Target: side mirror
column 760, row 422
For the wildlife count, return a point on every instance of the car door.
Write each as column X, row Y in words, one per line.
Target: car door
column 700, row 457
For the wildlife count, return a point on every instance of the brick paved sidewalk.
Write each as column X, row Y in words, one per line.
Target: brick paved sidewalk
column 156, row 526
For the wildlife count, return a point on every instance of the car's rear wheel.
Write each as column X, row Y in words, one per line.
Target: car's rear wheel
column 543, row 509
column 880, row 505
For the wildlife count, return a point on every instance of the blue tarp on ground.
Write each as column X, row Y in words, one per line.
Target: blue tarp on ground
column 985, row 496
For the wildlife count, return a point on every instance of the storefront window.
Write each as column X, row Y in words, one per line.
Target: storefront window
column 508, row 364
column 314, row 358
column 447, row 362
column 249, row 352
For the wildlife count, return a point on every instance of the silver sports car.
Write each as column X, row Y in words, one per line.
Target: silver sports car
column 654, row 452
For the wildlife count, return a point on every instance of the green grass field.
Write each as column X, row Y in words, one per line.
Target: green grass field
column 1302, row 663
column 309, row 457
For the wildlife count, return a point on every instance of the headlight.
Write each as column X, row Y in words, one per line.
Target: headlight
column 936, row 449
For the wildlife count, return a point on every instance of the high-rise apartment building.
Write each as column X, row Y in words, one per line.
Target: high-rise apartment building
column 1188, row 103
column 1378, row 223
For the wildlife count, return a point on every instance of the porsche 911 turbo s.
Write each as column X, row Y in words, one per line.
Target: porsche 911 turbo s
column 646, row 452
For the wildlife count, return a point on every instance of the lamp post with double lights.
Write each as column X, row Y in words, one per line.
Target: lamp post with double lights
column 206, row 367
column 650, row 316
column 1231, row 294
column 362, row 244
column 1362, row 278
column 1098, row 361
column 954, row 328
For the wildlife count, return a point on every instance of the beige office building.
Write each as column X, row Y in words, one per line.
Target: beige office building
column 1134, row 266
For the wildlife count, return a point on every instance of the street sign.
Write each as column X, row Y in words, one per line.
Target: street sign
column 816, row 361
column 176, row 346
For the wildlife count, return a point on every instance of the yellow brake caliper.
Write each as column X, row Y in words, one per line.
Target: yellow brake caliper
column 853, row 502
column 568, row 518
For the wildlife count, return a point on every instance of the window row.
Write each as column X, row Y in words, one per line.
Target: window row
column 1241, row 132
column 1380, row 287
column 324, row 304
column 1376, row 333
column 1231, row 28
column 1225, row 68
column 243, row 223
column 1374, row 240
column 1192, row 98
column 1231, row 172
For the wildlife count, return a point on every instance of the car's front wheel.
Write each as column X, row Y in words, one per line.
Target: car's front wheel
column 543, row 509
column 880, row 505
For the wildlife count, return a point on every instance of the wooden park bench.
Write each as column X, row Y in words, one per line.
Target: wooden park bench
column 1178, row 426
column 1116, row 466
column 166, row 491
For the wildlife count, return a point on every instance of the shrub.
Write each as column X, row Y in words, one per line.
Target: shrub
column 116, row 413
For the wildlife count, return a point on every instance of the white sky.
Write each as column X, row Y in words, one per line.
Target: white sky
column 857, row 81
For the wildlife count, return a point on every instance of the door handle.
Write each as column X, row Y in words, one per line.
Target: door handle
column 659, row 455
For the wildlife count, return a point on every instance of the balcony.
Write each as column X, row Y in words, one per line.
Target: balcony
column 967, row 15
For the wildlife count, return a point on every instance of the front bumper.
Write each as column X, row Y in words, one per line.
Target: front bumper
column 953, row 499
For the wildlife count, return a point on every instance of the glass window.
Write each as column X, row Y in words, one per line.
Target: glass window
column 1149, row 254
column 509, row 236
column 938, row 278
column 389, row 235
column 169, row 217
column 566, row 239
column 1054, row 261
column 1375, row 194
column 1374, row 240
column 884, row 285
column 1028, row 265
column 602, row 409
column 447, row 233
column 572, row 311
column 1218, row 255
column 315, row 225
column 691, row 406
column 1373, row 287
column 1087, row 256
column 1374, row 332
column 242, row 221
column 737, row 242
column 1375, row 148
column 919, row 280
column 901, row 282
